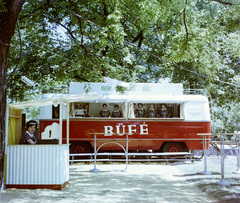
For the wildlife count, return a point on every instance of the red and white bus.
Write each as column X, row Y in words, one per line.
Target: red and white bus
column 176, row 132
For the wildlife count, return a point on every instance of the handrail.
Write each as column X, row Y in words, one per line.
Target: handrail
column 125, row 152
column 134, row 154
column 221, row 142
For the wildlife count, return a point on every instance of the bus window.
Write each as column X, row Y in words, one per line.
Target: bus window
column 155, row 110
column 134, row 110
column 152, row 111
column 115, row 110
column 124, row 110
column 169, row 110
column 137, row 110
column 141, row 111
column 79, row 109
column 131, row 110
column 174, row 110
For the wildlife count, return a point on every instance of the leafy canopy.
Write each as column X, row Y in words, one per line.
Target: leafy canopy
column 193, row 42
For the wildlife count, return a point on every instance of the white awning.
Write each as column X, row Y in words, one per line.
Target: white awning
column 152, row 98
column 167, row 99
column 52, row 99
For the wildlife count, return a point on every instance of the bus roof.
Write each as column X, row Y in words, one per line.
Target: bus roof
column 133, row 89
column 128, row 98
column 104, row 92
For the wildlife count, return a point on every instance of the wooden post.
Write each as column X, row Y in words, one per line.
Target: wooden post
column 67, row 122
column 60, row 121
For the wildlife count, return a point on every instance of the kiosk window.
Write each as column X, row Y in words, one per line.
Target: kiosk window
column 55, row 111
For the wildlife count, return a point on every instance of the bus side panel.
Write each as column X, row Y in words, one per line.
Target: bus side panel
column 85, row 129
column 184, row 132
column 145, row 134
column 82, row 130
column 192, row 129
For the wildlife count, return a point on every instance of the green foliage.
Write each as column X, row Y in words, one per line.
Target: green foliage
column 87, row 88
column 227, row 118
column 2, row 6
column 121, row 89
column 32, row 113
column 193, row 42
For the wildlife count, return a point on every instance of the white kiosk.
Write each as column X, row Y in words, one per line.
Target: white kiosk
column 39, row 166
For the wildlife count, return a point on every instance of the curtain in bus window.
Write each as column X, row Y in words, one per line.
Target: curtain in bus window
column 130, row 111
column 124, row 110
column 182, row 110
column 71, row 107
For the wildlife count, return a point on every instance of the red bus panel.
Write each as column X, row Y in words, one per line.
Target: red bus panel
column 144, row 134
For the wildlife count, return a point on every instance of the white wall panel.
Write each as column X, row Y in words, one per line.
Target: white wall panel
column 37, row 164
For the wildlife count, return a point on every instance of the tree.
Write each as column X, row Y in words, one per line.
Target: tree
column 9, row 11
column 194, row 42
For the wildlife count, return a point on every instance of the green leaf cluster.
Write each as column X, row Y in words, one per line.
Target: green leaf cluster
column 191, row 42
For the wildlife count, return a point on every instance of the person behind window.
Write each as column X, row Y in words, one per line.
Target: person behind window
column 135, row 110
column 152, row 113
column 141, row 111
column 164, row 113
column 104, row 112
column 86, row 110
column 116, row 113
column 28, row 137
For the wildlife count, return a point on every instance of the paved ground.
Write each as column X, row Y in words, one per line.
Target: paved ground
column 154, row 182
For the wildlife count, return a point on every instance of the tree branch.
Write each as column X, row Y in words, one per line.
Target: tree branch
column 87, row 55
column 185, row 24
column 140, row 41
column 4, row 44
column 171, row 22
column 223, row 2
column 20, row 52
column 41, row 7
column 79, row 20
column 210, row 9
column 138, row 37
column 78, row 15
column 68, row 30
column 80, row 78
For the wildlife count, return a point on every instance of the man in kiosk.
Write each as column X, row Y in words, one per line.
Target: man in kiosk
column 28, row 137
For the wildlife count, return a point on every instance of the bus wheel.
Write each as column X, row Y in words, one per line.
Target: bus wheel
column 80, row 147
column 172, row 147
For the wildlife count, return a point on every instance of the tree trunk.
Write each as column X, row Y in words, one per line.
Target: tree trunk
column 8, row 21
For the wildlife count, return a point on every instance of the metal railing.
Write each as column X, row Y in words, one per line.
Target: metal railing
column 235, row 146
column 168, row 156
column 133, row 157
